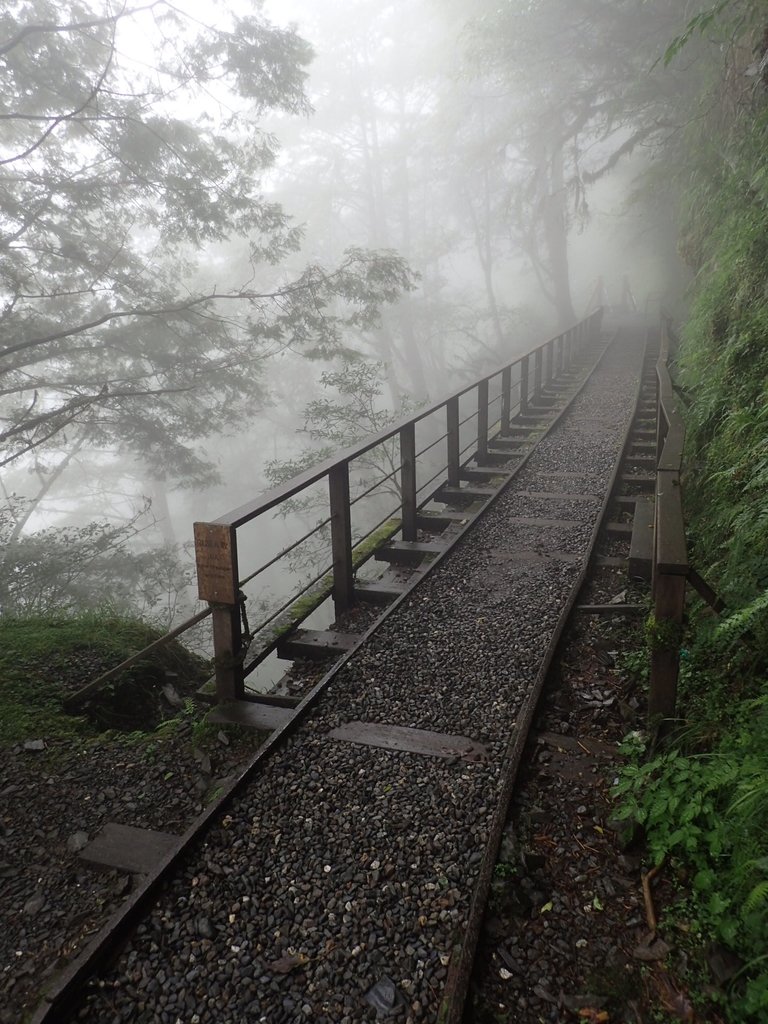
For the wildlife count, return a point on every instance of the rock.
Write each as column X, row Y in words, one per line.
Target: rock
column 385, row 997
column 578, row 1002
column 34, row 904
column 723, row 963
column 34, row 745
column 168, row 690
column 77, row 842
column 628, row 863
column 656, row 949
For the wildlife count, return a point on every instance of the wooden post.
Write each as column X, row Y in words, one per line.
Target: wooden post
column 217, row 583
column 559, row 355
column 506, row 399
column 524, row 385
column 341, row 537
column 482, row 423
column 408, row 480
column 669, row 606
column 568, row 354
column 549, row 363
column 537, row 361
column 452, row 416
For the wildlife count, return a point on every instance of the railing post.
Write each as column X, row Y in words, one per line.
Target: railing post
column 217, row 583
column 452, row 426
column 669, row 606
column 506, row 399
column 341, row 537
column 537, row 361
column 482, row 422
column 524, row 385
column 550, row 360
column 568, row 354
column 408, row 480
column 559, row 355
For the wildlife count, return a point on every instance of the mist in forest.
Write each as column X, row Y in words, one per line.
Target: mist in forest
column 238, row 239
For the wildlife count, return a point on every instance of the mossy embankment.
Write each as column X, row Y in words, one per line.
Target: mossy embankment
column 45, row 659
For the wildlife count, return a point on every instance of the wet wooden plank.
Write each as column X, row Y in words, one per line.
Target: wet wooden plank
column 641, row 544
column 671, row 546
column 510, row 444
column 619, row 529
column 216, row 559
column 482, row 472
column 126, row 848
column 379, row 591
column 408, row 550
column 535, row 556
column 610, row 562
column 434, row 522
column 315, row 643
column 558, row 496
column 612, row 609
column 414, row 741
column 447, row 493
column 545, row 523
column 254, row 716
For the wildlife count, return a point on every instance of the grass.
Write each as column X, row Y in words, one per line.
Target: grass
column 45, row 658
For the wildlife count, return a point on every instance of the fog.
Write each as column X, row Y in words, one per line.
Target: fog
column 165, row 187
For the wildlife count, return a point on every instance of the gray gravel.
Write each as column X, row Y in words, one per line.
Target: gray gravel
column 343, row 865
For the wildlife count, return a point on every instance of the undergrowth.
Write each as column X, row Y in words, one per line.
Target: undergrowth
column 703, row 798
column 43, row 659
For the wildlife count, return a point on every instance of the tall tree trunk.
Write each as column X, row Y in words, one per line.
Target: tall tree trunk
column 555, row 214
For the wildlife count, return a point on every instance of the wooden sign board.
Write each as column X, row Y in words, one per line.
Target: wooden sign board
column 216, row 563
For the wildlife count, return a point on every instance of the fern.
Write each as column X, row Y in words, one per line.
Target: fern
column 757, row 897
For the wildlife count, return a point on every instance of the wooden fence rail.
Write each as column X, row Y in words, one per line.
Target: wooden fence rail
column 670, row 562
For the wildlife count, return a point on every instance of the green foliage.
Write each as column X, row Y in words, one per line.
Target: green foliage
column 66, row 568
column 43, row 659
column 121, row 322
column 727, row 16
column 703, row 800
column 705, row 813
column 662, row 635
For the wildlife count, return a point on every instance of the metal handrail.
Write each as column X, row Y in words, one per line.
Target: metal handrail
column 216, row 542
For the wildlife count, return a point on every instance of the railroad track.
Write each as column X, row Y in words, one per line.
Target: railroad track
column 344, row 873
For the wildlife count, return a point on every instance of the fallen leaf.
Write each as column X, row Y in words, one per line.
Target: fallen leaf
column 286, row 964
column 593, row 1016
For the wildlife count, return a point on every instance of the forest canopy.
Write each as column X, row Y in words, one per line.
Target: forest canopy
column 131, row 145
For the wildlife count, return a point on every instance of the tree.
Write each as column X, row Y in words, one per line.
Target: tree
column 577, row 93
column 119, row 325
